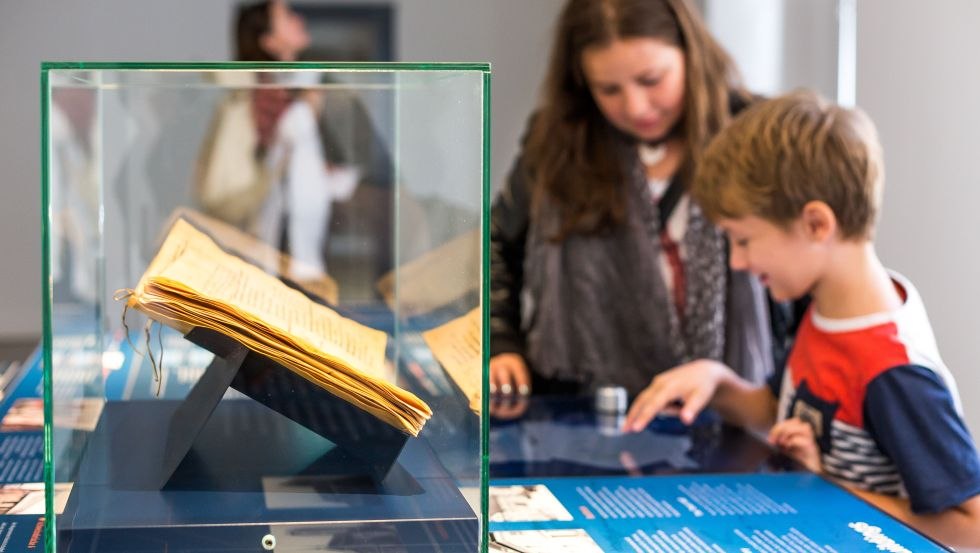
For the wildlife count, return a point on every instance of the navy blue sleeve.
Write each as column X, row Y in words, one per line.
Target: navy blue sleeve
column 910, row 414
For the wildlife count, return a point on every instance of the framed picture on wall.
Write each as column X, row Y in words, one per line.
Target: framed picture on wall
column 349, row 32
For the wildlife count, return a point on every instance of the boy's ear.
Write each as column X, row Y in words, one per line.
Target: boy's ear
column 819, row 221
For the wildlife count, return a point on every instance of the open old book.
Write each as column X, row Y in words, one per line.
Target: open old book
column 192, row 282
column 255, row 251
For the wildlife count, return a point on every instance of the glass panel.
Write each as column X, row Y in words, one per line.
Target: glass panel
column 438, row 214
column 361, row 188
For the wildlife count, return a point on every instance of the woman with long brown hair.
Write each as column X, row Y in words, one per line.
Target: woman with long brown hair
column 603, row 272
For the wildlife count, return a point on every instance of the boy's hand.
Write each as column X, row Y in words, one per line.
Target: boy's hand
column 509, row 374
column 693, row 384
column 795, row 438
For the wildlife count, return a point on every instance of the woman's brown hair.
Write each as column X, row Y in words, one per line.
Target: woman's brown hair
column 252, row 22
column 573, row 155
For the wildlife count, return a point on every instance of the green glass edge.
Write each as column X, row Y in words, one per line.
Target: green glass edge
column 49, row 533
column 242, row 65
column 485, row 299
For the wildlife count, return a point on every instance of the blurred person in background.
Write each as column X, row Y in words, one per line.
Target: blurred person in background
column 287, row 108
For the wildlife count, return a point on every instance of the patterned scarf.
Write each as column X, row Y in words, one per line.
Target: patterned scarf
column 701, row 333
column 597, row 311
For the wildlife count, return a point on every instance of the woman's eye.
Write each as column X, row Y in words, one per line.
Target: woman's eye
column 649, row 82
column 742, row 242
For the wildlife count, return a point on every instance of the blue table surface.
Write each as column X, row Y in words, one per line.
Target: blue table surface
column 563, row 436
column 708, row 486
column 566, row 479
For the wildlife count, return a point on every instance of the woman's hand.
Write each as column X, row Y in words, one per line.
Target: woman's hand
column 508, row 407
column 692, row 384
column 795, row 438
column 509, row 374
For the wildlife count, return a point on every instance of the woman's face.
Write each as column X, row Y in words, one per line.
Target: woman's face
column 287, row 35
column 638, row 84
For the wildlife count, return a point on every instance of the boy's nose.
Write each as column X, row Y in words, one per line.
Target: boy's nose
column 736, row 259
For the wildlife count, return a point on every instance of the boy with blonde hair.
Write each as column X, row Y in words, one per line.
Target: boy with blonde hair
column 864, row 397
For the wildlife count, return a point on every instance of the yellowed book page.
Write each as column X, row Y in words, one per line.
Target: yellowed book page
column 192, row 259
column 436, row 278
column 176, row 305
column 387, row 402
column 270, row 259
column 457, row 346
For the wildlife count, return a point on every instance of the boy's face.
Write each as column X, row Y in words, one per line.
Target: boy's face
column 786, row 260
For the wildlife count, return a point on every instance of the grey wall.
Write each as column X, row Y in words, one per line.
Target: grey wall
column 919, row 79
column 130, row 30
column 779, row 45
column 31, row 32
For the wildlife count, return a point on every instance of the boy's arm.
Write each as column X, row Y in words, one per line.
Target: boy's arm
column 958, row 526
column 912, row 417
column 698, row 384
column 744, row 404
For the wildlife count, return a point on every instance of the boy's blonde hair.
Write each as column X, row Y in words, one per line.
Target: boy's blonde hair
column 779, row 154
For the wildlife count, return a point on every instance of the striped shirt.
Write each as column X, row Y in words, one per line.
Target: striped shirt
column 884, row 407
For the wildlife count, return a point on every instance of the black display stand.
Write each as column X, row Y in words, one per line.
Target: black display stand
column 364, row 437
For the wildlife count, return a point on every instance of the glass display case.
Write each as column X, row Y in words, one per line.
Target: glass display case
column 263, row 306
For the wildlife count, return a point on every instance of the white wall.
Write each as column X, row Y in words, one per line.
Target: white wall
column 779, row 45
column 751, row 30
column 919, row 79
column 195, row 30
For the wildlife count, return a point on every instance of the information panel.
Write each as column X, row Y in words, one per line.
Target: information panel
column 741, row 513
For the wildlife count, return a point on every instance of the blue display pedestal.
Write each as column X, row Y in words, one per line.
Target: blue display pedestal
column 250, row 472
column 212, row 474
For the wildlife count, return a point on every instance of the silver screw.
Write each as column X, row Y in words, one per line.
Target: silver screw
column 268, row 542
